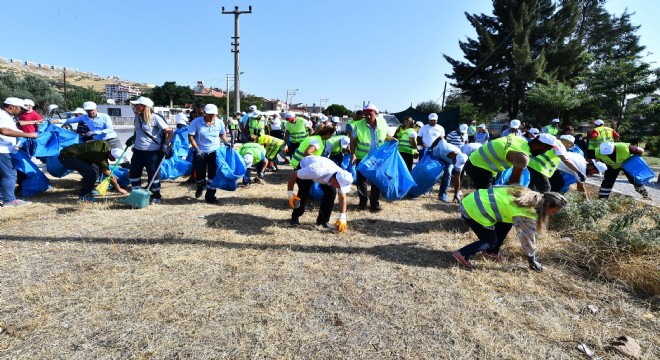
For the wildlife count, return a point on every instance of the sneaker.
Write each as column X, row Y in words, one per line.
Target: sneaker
column 258, row 180
column 94, row 193
column 213, row 201
column 362, row 207
column 326, row 226
column 443, row 198
column 294, row 222
column 87, row 198
column 16, row 202
column 154, row 201
column 199, row 192
column 461, row 260
column 375, row 209
column 493, row 256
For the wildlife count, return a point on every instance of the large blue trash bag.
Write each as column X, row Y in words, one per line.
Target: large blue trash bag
column 346, row 165
column 426, row 173
column 36, row 182
column 506, row 174
column 231, row 167
column 180, row 142
column 568, row 181
column 638, row 169
column 174, row 167
column 52, row 139
column 55, row 167
column 386, row 169
column 121, row 174
column 316, row 193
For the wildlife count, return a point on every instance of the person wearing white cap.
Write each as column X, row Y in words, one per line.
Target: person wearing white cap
column 295, row 132
column 614, row 155
column 29, row 119
column 552, row 128
column 502, row 153
column 336, row 147
column 204, row 134
column 454, row 160
column 181, row 120
column 99, row 124
column 543, row 166
column 331, row 177
column 407, row 137
column 428, row 133
column 599, row 135
column 569, row 143
column 513, row 129
column 368, row 134
column 11, row 107
column 531, row 133
column 150, row 144
column 90, row 159
column 482, row 136
column 472, row 130
column 585, row 167
column 459, row 136
column 275, row 127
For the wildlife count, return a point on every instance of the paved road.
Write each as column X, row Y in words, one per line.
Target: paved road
column 623, row 187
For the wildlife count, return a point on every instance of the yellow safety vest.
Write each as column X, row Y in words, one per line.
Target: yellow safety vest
column 256, row 126
column 253, row 148
column 364, row 136
column 335, row 142
column 545, row 163
column 272, row 145
column 494, row 205
column 622, row 151
column 300, row 151
column 551, row 130
column 404, row 141
column 492, row 155
column 605, row 134
column 297, row 130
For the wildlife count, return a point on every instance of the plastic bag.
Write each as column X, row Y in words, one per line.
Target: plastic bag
column 55, row 167
column 426, row 173
column 386, row 169
column 316, row 193
column 231, row 167
column 638, row 169
column 36, row 182
column 506, row 174
column 568, row 181
column 346, row 165
column 174, row 167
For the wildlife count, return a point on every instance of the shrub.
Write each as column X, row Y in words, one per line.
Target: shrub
column 652, row 145
column 634, row 231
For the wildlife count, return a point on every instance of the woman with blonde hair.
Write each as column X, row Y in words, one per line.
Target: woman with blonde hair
column 492, row 212
column 150, row 142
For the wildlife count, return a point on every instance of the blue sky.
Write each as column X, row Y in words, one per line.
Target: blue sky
column 348, row 51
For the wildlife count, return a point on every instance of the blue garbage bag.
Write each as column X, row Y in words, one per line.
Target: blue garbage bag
column 346, row 165
column 51, row 139
column 506, row 174
column 121, row 174
column 231, row 167
column 638, row 169
column 36, row 181
column 316, row 193
column 174, row 167
column 180, row 143
column 568, row 181
column 386, row 169
column 426, row 173
column 55, row 167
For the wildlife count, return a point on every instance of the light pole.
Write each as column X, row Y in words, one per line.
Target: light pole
column 290, row 93
column 237, row 80
column 321, row 102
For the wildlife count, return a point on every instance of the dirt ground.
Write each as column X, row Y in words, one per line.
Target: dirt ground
column 189, row 280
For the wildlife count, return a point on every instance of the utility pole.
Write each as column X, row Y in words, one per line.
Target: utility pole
column 321, row 102
column 236, row 43
column 443, row 97
column 290, row 93
column 227, row 95
column 65, row 107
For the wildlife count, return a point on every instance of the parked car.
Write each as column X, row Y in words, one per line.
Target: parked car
column 392, row 123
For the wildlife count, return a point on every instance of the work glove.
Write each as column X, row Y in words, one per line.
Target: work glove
column 166, row 149
column 294, row 200
column 199, row 155
column 458, row 196
column 341, row 223
column 582, row 177
column 534, row 264
column 130, row 141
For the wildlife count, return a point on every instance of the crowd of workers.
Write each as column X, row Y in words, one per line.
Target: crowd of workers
column 316, row 150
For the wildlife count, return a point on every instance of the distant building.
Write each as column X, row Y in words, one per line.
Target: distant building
column 121, row 93
column 274, row 105
column 202, row 91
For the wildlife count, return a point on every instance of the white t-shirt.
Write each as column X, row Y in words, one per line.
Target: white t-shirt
column 443, row 148
column 320, row 170
column 429, row 133
column 559, row 148
column 468, row 149
column 276, row 124
column 7, row 143
column 577, row 160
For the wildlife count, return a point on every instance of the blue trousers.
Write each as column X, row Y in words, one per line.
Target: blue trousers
column 7, row 178
column 145, row 159
column 489, row 240
column 446, row 177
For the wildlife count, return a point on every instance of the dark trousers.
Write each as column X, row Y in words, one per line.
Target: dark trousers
column 89, row 172
column 205, row 169
column 277, row 133
column 374, row 195
column 538, row 182
column 481, row 178
column 292, row 148
column 557, row 181
column 489, row 240
column 145, row 159
column 610, row 178
column 408, row 159
column 328, row 201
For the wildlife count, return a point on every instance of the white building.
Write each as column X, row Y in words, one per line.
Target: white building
column 121, row 93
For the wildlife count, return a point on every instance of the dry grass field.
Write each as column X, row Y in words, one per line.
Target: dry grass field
column 190, row 280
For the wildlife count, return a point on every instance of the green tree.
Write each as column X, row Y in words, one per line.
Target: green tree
column 76, row 97
column 468, row 110
column 525, row 41
column 428, row 107
column 30, row 87
column 337, row 110
column 171, row 93
column 552, row 100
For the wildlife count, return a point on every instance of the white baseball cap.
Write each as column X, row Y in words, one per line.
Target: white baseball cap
column 335, row 119
column 599, row 122
column 371, row 106
column 607, row 148
column 534, row 131
column 90, row 105
column 463, row 128
column 482, row 126
column 29, row 102
column 433, row 116
column 248, row 158
column 419, row 123
column 599, row 165
column 555, row 120
column 515, row 123
column 116, row 153
column 344, row 142
column 143, row 100
column 289, row 115
column 345, row 179
column 567, row 138
column 252, row 108
column 461, row 159
column 547, row 139
column 78, row 111
column 14, row 101
column 323, row 118
column 181, row 118
column 211, row 109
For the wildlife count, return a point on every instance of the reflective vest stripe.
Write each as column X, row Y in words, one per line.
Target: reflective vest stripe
column 480, row 206
column 491, row 150
column 493, row 204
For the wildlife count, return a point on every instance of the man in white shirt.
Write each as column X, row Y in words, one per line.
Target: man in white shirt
column 585, row 167
column 331, row 177
column 8, row 134
column 539, row 181
column 514, row 128
column 429, row 133
column 454, row 160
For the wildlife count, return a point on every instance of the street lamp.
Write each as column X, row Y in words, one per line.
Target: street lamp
column 321, row 102
column 289, row 93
